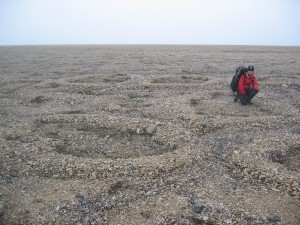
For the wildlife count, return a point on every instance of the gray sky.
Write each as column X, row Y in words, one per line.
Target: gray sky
column 233, row 22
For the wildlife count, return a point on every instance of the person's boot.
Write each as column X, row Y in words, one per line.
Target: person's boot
column 235, row 98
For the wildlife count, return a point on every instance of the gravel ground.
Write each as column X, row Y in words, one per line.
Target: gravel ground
column 148, row 135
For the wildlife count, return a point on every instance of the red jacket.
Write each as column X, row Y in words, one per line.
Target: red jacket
column 247, row 82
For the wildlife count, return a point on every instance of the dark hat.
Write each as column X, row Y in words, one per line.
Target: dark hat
column 250, row 68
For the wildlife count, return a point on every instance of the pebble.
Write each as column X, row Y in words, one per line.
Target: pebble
column 30, row 163
column 71, row 173
column 93, row 176
column 274, row 189
column 199, row 207
column 151, row 129
column 149, row 193
column 228, row 221
column 273, row 218
column 290, row 182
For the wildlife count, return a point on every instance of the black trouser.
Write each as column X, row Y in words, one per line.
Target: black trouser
column 246, row 98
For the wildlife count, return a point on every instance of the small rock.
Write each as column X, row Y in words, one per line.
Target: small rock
column 273, row 218
column 149, row 193
column 229, row 221
column 199, row 207
column 290, row 182
column 294, row 193
column 115, row 186
column 63, row 163
column 146, row 214
column 151, row 129
column 93, row 176
column 1, row 211
column 197, row 221
column 30, row 163
column 295, row 184
column 39, row 99
column 205, row 218
column 274, row 189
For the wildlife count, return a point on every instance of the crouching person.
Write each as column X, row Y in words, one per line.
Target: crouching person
column 248, row 86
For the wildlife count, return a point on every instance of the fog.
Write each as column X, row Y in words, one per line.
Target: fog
column 233, row 22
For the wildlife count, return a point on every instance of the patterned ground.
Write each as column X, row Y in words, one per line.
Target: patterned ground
column 148, row 135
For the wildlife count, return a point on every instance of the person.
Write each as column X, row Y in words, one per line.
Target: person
column 235, row 80
column 247, row 87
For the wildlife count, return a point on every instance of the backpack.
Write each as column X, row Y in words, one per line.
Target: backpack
column 239, row 71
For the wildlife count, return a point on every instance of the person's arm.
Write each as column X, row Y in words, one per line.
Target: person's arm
column 241, row 85
column 255, row 83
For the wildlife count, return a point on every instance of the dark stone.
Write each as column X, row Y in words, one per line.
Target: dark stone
column 146, row 214
column 199, row 208
column 197, row 221
column 273, row 218
column 210, row 222
column 115, row 186
column 39, row 99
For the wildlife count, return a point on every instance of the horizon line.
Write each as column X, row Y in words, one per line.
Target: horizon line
column 162, row 44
